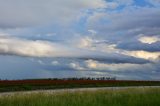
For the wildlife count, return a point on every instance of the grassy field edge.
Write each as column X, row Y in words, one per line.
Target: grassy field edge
column 119, row 97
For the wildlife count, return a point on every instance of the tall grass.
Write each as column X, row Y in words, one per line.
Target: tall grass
column 127, row 97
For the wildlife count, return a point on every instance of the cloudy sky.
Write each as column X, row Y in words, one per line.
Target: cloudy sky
column 80, row 38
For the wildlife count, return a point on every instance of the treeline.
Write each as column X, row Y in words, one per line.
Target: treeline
column 73, row 78
column 85, row 78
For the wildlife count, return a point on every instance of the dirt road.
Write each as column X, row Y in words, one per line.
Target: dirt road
column 73, row 90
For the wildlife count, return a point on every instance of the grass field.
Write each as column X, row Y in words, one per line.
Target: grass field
column 123, row 97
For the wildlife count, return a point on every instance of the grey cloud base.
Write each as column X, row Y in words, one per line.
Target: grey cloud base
column 135, row 46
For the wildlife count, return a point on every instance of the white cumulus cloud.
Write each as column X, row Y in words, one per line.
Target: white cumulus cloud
column 149, row 39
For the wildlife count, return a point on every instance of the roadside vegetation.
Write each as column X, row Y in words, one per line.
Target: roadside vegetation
column 121, row 97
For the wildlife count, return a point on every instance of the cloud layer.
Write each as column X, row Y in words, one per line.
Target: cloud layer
column 73, row 38
column 21, row 13
column 30, row 48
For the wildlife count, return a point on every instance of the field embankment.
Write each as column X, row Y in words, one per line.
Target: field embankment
column 41, row 84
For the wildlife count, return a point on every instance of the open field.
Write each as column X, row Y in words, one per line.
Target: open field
column 40, row 84
column 108, row 97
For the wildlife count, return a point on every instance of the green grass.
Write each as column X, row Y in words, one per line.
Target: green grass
column 127, row 97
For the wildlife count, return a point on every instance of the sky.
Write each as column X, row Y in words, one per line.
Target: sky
column 80, row 38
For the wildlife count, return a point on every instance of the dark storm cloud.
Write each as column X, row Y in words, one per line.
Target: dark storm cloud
column 116, row 58
column 136, row 45
column 129, row 19
column 127, row 23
